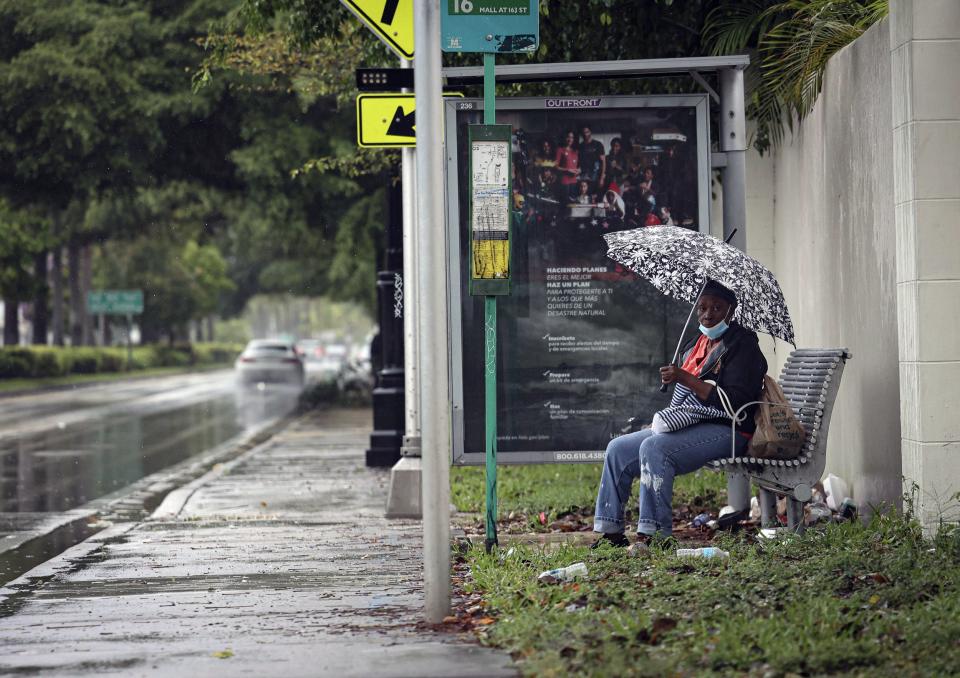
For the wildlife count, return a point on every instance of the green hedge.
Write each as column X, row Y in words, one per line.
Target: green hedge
column 33, row 362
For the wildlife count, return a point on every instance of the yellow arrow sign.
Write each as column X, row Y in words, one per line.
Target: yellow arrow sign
column 390, row 20
column 388, row 120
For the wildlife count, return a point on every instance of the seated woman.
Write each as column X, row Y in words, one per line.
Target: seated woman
column 694, row 431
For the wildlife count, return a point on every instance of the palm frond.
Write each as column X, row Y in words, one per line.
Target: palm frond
column 794, row 40
column 731, row 28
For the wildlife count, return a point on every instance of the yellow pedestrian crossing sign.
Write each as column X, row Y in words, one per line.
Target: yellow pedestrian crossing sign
column 386, row 120
column 390, row 20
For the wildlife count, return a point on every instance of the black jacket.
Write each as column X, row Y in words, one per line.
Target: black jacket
column 737, row 366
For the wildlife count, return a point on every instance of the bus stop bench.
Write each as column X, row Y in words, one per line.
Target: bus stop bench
column 810, row 380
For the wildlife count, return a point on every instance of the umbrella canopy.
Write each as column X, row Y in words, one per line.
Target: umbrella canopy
column 677, row 261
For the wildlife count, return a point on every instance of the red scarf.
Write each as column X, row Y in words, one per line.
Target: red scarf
column 697, row 356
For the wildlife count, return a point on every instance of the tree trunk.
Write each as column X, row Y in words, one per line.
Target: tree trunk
column 210, row 336
column 86, row 280
column 11, row 322
column 56, row 280
column 40, row 306
column 76, row 303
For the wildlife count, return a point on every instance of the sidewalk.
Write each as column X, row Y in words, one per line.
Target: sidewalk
column 278, row 563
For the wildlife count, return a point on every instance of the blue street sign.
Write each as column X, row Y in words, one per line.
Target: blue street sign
column 492, row 26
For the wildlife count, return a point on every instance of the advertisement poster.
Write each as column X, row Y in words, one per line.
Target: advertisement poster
column 580, row 338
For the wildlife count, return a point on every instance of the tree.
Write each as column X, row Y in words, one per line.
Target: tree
column 181, row 281
column 74, row 116
column 18, row 242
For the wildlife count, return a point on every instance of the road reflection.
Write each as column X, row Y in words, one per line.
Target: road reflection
column 70, row 464
column 261, row 402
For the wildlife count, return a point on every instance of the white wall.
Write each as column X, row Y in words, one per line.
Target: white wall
column 925, row 56
column 820, row 213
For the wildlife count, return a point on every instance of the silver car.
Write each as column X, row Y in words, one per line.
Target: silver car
column 270, row 360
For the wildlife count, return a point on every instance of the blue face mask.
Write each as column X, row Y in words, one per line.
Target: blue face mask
column 716, row 331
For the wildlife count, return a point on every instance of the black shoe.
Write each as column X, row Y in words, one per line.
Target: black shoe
column 730, row 521
column 612, row 538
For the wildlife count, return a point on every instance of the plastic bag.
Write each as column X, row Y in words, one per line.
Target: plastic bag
column 779, row 434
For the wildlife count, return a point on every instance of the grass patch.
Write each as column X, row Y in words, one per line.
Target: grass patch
column 846, row 599
column 565, row 491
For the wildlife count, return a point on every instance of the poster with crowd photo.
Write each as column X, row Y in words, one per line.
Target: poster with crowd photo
column 580, row 339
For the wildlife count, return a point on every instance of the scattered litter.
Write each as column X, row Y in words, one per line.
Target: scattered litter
column 637, row 549
column 543, row 518
column 816, row 513
column 754, row 508
column 848, row 509
column 836, row 490
column 773, row 532
column 700, row 520
column 725, row 510
column 263, row 504
column 562, row 574
column 705, row 552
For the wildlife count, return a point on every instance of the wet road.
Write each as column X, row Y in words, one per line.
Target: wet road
column 59, row 450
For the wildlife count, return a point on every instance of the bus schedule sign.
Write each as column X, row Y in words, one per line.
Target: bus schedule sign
column 490, row 214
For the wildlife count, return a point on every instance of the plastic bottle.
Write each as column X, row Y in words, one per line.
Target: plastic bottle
column 706, row 552
column 567, row 573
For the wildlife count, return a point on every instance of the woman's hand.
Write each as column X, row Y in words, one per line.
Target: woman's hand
column 671, row 373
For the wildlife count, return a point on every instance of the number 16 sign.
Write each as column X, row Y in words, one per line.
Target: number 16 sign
column 492, row 26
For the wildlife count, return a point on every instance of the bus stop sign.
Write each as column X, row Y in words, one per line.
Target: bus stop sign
column 491, row 26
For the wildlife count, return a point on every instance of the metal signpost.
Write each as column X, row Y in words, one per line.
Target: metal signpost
column 117, row 302
column 489, row 27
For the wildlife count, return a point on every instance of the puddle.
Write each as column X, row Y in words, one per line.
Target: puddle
column 63, row 468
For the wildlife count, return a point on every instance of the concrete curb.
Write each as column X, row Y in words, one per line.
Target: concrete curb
column 174, row 502
column 45, row 571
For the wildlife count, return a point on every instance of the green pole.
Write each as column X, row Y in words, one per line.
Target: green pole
column 490, row 340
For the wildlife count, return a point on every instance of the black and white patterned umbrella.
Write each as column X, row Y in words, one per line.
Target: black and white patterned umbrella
column 677, row 261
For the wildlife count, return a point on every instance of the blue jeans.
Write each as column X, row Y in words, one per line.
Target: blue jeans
column 656, row 458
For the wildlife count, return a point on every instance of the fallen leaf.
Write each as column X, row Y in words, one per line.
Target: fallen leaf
column 223, row 654
column 449, row 619
column 263, row 504
column 485, row 621
column 661, row 624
